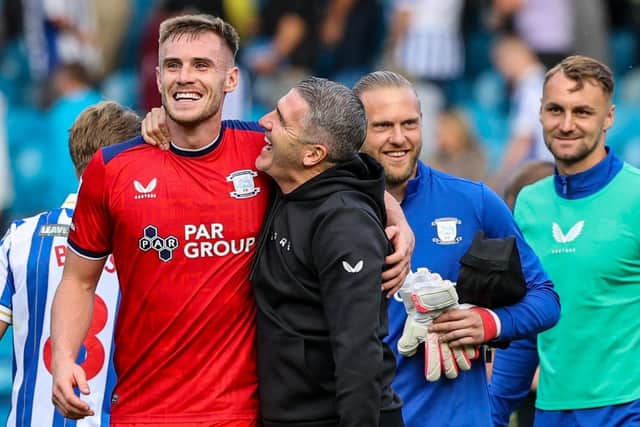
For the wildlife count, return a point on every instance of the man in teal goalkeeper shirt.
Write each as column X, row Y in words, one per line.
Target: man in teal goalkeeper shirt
column 584, row 224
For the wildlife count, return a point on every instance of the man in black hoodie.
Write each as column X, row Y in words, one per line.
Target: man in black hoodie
column 317, row 274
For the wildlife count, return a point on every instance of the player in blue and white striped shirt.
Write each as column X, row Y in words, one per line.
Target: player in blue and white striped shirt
column 32, row 254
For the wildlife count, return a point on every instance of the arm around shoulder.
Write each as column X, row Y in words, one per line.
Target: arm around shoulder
column 403, row 240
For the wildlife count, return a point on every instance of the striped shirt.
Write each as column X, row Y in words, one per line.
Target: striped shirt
column 32, row 254
column 431, row 46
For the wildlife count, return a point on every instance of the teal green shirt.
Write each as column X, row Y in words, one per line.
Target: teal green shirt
column 590, row 248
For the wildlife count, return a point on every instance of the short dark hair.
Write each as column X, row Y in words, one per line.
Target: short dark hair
column 195, row 25
column 580, row 68
column 336, row 117
column 98, row 126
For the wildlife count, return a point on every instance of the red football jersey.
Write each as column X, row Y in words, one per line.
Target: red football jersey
column 183, row 227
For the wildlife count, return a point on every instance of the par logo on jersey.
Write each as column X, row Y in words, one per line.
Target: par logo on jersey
column 571, row 235
column 145, row 191
column 151, row 239
column 447, row 231
column 244, row 185
column 353, row 268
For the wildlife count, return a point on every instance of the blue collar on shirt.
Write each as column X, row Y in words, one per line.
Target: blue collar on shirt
column 422, row 172
column 586, row 183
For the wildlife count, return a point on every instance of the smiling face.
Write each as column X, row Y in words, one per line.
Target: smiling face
column 574, row 122
column 281, row 157
column 194, row 73
column 394, row 133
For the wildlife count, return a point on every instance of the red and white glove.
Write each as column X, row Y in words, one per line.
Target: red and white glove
column 440, row 359
column 426, row 296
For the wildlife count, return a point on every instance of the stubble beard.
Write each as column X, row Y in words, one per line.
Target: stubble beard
column 192, row 122
column 401, row 178
column 583, row 152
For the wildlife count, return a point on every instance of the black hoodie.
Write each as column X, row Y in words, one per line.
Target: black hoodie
column 321, row 313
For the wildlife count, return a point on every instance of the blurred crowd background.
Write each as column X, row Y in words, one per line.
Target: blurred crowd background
column 477, row 65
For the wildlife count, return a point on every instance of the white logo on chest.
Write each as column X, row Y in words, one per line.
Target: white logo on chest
column 447, row 230
column 243, row 184
column 571, row 235
column 145, row 191
column 353, row 268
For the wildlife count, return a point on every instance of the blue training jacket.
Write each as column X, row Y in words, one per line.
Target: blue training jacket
column 445, row 212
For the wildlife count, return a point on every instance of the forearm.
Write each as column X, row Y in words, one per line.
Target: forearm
column 358, row 382
column 72, row 307
column 353, row 310
column 69, row 326
column 513, row 371
column 3, row 328
column 396, row 218
column 538, row 311
column 393, row 209
column 357, row 348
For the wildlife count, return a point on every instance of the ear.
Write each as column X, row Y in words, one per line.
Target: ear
column 540, row 110
column 158, row 79
column 608, row 121
column 314, row 154
column 232, row 79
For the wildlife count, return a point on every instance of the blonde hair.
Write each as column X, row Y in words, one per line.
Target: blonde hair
column 98, row 126
column 580, row 68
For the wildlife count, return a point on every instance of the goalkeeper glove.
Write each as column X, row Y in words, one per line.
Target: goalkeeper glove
column 425, row 296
